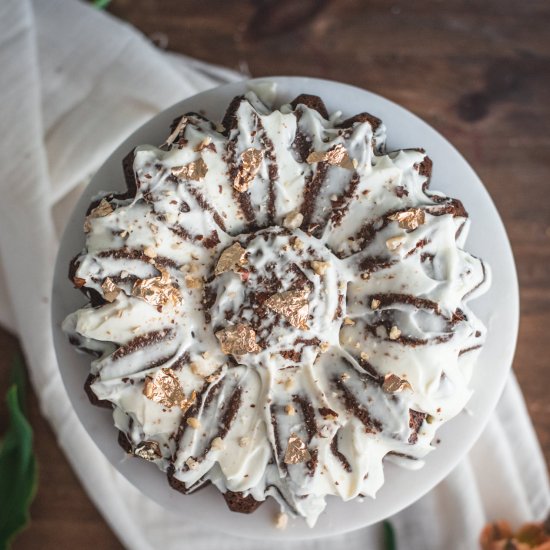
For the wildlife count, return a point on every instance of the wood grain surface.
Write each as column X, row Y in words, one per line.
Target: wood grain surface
column 478, row 71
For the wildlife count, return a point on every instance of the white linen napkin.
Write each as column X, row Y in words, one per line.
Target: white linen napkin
column 74, row 83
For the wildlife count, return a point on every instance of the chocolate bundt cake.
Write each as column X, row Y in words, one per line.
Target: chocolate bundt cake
column 277, row 305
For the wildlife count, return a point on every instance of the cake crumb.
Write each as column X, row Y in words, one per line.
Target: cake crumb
column 281, row 521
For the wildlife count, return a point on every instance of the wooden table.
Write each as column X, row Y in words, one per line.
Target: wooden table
column 478, row 71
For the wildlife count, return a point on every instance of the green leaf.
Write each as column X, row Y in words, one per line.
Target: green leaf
column 389, row 536
column 18, row 476
column 101, row 4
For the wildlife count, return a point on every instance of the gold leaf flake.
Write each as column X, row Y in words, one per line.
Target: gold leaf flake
column 149, row 450
column 157, row 291
column 100, row 211
column 238, row 339
column 195, row 170
column 296, row 450
column 110, row 290
column 394, row 384
column 251, row 160
column 164, row 387
column 293, row 305
column 230, row 259
column 395, row 333
column 409, row 219
column 337, row 156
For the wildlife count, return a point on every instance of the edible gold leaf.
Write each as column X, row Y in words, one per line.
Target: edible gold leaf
column 165, row 388
column 110, row 290
column 230, row 259
column 394, row 384
column 195, row 170
column 149, row 450
column 251, row 160
column 100, row 211
column 157, row 291
column 238, row 339
column 296, row 450
column 293, row 305
column 409, row 219
column 337, row 156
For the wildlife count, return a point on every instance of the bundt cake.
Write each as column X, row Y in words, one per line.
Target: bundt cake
column 276, row 305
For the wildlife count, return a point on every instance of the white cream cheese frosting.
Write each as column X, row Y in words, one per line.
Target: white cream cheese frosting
column 278, row 305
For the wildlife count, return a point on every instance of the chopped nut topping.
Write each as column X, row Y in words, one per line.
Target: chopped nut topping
column 204, row 143
column 100, row 211
column 375, row 304
column 150, row 252
column 290, row 410
column 177, row 131
column 348, row 321
column 364, row 356
column 192, row 464
column 281, row 521
column 393, row 243
column 319, row 267
column 324, row 346
column 297, row 244
column 337, row 156
column 409, row 219
column 251, row 160
column 394, row 384
column 395, row 333
column 193, row 422
column 218, row 444
column 193, row 282
column 110, row 290
column 244, row 441
column 293, row 220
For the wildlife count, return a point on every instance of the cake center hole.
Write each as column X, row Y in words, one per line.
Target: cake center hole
column 275, row 291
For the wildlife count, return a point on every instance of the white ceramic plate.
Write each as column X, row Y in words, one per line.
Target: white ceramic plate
column 498, row 309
